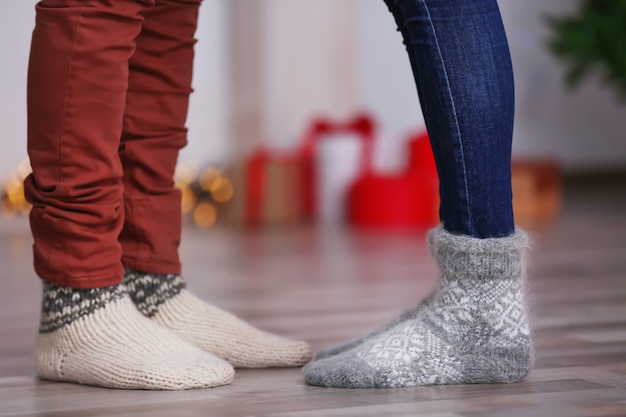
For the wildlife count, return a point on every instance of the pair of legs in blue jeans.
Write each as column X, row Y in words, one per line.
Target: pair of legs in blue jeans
column 473, row 327
column 460, row 58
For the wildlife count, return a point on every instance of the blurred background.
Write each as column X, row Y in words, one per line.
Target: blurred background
column 305, row 112
column 275, row 78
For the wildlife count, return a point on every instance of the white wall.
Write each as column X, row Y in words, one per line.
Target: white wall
column 584, row 129
column 307, row 67
column 16, row 22
column 385, row 83
column 208, row 121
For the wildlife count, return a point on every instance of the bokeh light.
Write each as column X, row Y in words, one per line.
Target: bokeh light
column 205, row 215
column 208, row 177
column 13, row 200
column 188, row 200
column 222, row 190
column 185, row 174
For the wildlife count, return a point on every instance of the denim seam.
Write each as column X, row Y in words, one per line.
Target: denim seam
column 454, row 112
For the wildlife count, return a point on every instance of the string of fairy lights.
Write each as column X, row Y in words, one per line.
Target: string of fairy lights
column 205, row 192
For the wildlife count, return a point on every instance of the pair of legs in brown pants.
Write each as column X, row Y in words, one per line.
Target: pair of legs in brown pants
column 108, row 91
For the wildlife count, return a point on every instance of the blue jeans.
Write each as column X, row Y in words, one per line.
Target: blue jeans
column 462, row 67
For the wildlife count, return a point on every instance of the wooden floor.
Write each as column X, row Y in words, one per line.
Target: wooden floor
column 329, row 286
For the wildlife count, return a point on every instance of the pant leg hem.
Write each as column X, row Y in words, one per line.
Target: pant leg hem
column 152, row 265
column 83, row 281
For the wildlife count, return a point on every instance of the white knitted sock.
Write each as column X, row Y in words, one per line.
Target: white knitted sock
column 473, row 329
column 165, row 300
column 97, row 337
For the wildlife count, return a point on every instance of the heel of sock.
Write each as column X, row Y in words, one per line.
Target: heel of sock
column 499, row 364
column 49, row 358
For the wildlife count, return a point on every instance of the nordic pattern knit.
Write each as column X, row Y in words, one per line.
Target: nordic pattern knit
column 97, row 337
column 473, row 329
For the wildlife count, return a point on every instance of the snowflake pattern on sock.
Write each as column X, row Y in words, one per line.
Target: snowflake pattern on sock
column 473, row 329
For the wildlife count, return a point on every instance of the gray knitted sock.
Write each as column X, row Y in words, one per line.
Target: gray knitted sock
column 473, row 329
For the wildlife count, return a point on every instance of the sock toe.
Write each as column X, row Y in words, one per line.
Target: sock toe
column 342, row 372
column 228, row 337
column 165, row 300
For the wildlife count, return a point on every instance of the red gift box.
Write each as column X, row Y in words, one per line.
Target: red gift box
column 281, row 188
column 268, row 190
column 362, row 126
column 408, row 200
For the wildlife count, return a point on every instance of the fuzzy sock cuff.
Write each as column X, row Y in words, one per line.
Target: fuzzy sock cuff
column 62, row 306
column 150, row 291
column 478, row 259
